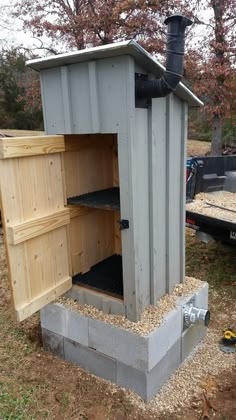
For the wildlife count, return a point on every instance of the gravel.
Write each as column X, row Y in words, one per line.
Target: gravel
column 191, row 379
column 221, row 198
column 152, row 316
column 187, row 381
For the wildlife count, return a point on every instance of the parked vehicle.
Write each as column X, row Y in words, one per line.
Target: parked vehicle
column 211, row 175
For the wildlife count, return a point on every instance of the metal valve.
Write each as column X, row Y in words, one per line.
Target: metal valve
column 193, row 315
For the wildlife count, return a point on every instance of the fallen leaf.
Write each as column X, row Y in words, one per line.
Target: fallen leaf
column 206, row 408
column 210, row 384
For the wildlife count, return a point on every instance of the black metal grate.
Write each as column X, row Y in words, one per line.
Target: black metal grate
column 103, row 199
column 105, row 276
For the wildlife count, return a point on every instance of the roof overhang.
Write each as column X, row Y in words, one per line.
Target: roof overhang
column 141, row 56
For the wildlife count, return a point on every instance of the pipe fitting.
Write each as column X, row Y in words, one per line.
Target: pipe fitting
column 193, row 315
column 174, row 62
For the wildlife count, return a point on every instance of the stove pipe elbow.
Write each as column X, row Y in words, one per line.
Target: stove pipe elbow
column 174, row 61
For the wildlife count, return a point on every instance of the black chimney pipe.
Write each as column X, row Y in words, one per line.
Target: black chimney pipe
column 174, row 62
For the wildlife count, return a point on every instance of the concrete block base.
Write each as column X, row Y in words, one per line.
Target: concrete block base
column 142, row 363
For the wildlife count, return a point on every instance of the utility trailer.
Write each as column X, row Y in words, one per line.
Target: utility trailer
column 217, row 177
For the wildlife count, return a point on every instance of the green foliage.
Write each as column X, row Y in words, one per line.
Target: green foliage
column 15, row 82
column 229, row 133
column 200, row 128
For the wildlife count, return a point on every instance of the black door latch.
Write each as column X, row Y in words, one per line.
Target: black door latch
column 124, row 224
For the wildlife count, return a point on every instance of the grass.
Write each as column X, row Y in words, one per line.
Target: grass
column 213, row 262
column 17, row 400
column 16, row 406
column 198, row 148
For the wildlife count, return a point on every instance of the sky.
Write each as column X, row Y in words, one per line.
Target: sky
column 12, row 34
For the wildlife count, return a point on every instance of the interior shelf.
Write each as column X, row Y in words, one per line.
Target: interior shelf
column 108, row 199
column 105, row 277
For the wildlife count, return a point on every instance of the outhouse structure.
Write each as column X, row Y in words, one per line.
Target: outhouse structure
column 121, row 173
column 96, row 207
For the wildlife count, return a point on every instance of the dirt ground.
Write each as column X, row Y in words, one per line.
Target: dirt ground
column 37, row 385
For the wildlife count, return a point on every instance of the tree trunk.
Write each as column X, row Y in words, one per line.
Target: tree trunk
column 216, row 140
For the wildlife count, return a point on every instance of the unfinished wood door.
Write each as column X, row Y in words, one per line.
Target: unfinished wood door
column 35, row 220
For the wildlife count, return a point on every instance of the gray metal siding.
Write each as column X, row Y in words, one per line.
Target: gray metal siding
column 53, row 109
column 113, row 91
column 140, row 189
column 184, row 126
column 158, row 215
column 167, row 194
column 98, row 97
column 124, row 48
column 86, row 97
column 132, row 125
column 174, row 118
column 80, row 100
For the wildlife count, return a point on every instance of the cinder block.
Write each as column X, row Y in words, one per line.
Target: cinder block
column 76, row 294
column 129, row 348
column 65, row 322
column 190, row 298
column 164, row 337
column 91, row 360
column 191, row 338
column 201, row 297
column 114, row 306
column 160, row 374
column 53, row 342
column 52, row 318
column 131, row 378
column 147, row 384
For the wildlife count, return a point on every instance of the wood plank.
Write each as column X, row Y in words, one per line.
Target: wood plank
column 88, row 168
column 117, row 234
column 116, row 181
column 30, row 146
column 47, row 297
column 92, row 239
column 79, row 211
column 31, row 188
column 33, row 228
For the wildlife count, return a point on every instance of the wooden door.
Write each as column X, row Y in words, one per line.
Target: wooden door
column 35, row 220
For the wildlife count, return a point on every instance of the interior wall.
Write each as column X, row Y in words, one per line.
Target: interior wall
column 88, row 163
column 91, row 164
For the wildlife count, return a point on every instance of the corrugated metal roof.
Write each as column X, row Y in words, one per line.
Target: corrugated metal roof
column 132, row 48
